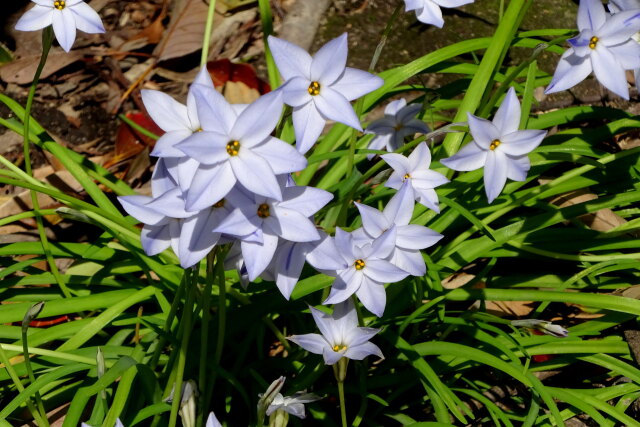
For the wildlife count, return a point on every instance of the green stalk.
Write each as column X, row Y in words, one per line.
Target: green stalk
column 16, row 380
column 186, row 324
column 30, row 315
column 207, row 33
column 222, row 318
column 204, row 331
column 168, row 323
column 266, row 18
column 343, row 409
column 47, row 40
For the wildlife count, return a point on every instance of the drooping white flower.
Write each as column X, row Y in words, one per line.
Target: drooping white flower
column 498, row 146
column 399, row 121
column 320, row 88
column 237, row 148
column 428, row 11
column 543, row 326
column 293, row 405
column 368, row 269
column 66, row 16
column 604, row 46
column 341, row 336
column 410, row 238
column 415, row 171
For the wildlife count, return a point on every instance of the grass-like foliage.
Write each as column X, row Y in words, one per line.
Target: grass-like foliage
column 140, row 326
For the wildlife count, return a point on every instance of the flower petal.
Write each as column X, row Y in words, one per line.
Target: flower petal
column 333, row 106
column 420, row 157
column 399, row 209
column 344, row 244
column 306, row 200
column 327, row 326
column 495, row 174
column 236, row 224
column 331, row 357
column 209, row 148
column 398, row 162
column 627, row 54
column 289, row 261
column 64, row 27
column 313, row 343
column 214, row 112
column 507, row 118
column 294, row 226
column 383, row 271
column 483, row 131
column 620, row 27
column 35, row 18
column 136, row 206
column 521, row 142
column 166, row 112
column 155, row 238
column 209, row 185
column 308, row 124
column 257, row 256
column 427, row 197
column 374, row 222
column 415, row 236
column 281, row 156
column 609, row 72
column 354, row 83
column 295, row 91
column 517, row 167
column 373, row 296
column 255, row 174
column 410, row 261
column 197, row 238
column 258, row 120
column 570, row 71
column 291, row 59
column 325, row 256
column 329, row 62
column 468, row 158
column 357, row 336
column 87, row 19
column 363, row 350
column 430, row 14
column 345, row 285
column 383, row 245
column 165, row 146
column 591, row 15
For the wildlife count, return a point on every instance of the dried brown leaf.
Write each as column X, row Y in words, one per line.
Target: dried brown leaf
column 21, row 71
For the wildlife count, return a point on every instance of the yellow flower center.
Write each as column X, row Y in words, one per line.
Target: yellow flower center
column 406, row 176
column 199, row 130
column 263, row 210
column 339, row 348
column 398, row 127
column 593, row 42
column 494, row 144
column 359, row 264
column 59, row 4
column 233, row 148
column 314, row 89
column 220, row 204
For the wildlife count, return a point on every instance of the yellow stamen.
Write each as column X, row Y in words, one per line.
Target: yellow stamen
column 314, row 89
column 494, row 144
column 199, row 130
column 233, row 148
column 339, row 348
column 406, row 176
column 398, row 127
column 220, row 204
column 263, row 211
column 593, row 42
column 359, row 264
column 59, row 4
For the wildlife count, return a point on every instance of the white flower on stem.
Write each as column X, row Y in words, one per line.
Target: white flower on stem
column 399, row 121
column 237, row 148
column 293, row 405
column 543, row 326
column 410, row 238
column 428, row 11
column 320, row 88
column 212, row 421
column 617, row 6
column 260, row 222
column 168, row 224
column 341, row 336
column 368, row 269
column 604, row 46
column 498, row 146
column 415, row 171
column 66, row 16
column 179, row 122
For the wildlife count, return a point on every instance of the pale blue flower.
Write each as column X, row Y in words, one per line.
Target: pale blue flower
column 293, row 405
column 66, row 16
column 604, row 46
column 415, row 171
column 368, row 269
column 212, row 421
column 399, row 121
column 237, row 148
column 617, row 6
column 320, row 88
column 410, row 238
column 498, row 146
column 260, row 222
column 428, row 11
column 341, row 336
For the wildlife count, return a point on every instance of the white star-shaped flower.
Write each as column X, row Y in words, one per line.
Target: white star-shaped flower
column 415, row 171
column 320, row 88
column 66, row 16
column 604, row 46
column 498, row 146
column 399, row 121
column 428, row 11
column 341, row 336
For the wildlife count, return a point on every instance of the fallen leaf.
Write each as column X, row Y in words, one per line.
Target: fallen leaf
column 21, row 71
column 240, row 93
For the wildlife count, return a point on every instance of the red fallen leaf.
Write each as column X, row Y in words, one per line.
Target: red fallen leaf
column 223, row 70
column 539, row 358
column 129, row 141
column 48, row 321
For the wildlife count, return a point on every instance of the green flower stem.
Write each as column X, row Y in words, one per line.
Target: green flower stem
column 207, row 33
column 169, row 322
column 47, row 40
column 204, row 332
column 343, row 409
column 32, row 314
column 16, row 380
column 222, row 312
column 178, row 371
